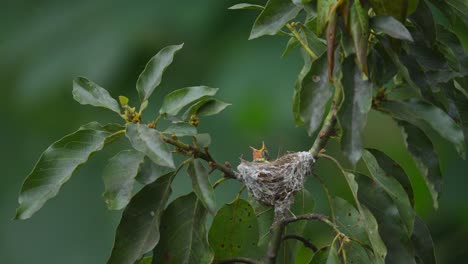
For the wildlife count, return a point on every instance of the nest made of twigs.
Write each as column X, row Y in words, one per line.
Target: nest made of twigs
column 274, row 183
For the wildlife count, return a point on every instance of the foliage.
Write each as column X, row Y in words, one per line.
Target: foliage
column 395, row 57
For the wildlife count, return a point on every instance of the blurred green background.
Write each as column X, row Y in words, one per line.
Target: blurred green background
column 45, row 44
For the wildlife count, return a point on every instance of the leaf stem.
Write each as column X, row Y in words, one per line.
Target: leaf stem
column 293, row 30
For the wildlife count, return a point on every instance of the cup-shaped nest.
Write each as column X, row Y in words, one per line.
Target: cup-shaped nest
column 274, row 183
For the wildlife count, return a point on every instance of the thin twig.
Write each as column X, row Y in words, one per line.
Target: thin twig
column 238, row 260
column 304, row 241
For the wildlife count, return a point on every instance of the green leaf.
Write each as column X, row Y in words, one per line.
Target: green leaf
column 86, row 92
column 390, row 26
column 359, row 27
column 391, row 222
column 393, row 188
column 119, row 176
column 350, row 221
column 58, row 163
column 273, row 17
column 138, row 231
column 327, row 255
column 424, row 21
column 151, row 76
column 203, row 140
column 353, row 112
column 396, row 8
column 205, row 107
column 426, row 159
column 314, row 93
column 234, row 231
column 246, row 6
column 178, row 99
column 181, row 130
column 323, row 14
column 296, row 107
column 381, row 69
column 150, row 142
column 146, row 260
column 356, row 253
column 183, row 233
column 123, row 100
column 423, row 244
column 149, row 172
column 421, row 113
column 201, row 184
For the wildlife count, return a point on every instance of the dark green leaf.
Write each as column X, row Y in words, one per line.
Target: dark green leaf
column 183, row 233
column 86, row 92
column 149, row 172
column 424, row 20
column 151, row 76
column 203, row 140
column 393, row 188
column 146, row 260
column 205, row 107
column 201, row 184
column 426, row 159
column 296, row 108
column 234, row 231
column 359, row 26
column 396, row 8
column 149, row 142
column 391, row 223
column 423, row 245
column 292, row 44
column 350, row 221
column 181, row 130
column 246, row 6
column 356, row 253
column 178, row 99
column 327, row 255
column 420, row 113
column 119, row 176
column 57, row 164
column 381, row 69
column 275, row 15
column 390, row 26
column 323, row 14
column 138, row 231
column 314, row 93
column 317, row 45
column 353, row 112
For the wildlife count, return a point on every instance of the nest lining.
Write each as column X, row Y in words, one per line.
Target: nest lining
column 275, row 183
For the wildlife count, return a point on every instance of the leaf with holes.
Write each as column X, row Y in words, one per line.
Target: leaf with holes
column 57, row 164
column 183, row 233
column 138, row 231
column 234, row 231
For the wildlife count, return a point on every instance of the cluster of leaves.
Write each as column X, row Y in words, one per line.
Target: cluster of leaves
column 392, row 56
column 401, row 58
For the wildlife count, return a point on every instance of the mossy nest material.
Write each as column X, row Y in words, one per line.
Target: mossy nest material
column 274, row 183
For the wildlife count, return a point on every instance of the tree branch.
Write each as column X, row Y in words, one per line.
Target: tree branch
column 238, row 260
column 196, row 152
column 304, row 241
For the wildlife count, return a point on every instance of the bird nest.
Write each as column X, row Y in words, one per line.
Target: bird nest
column 275, row 183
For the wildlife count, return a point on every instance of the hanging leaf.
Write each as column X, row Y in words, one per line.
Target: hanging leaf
column 178, row 99
column 324, row 14
column 381, row 69
column 234, row 231
column 393, row 188
column 146, row 260
column 423, row 244
column 183, row 233
column 315, row 92
column 246, row 6
column 119, row 176
column 390, row 26
column 273, row 17
column 57, row 164
column 86, row 92
column 201, row 184
column 353, row 112
column 296, row 105
column 151, row 76
column 424, row 21
column 327, row 255
column 392, row 226
column 421, row 113
column 426, row 159
column 181, row 130
column 138, row 231
column 149, row 142
column 359, row 26
column 331, row 37
column 149, row 172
